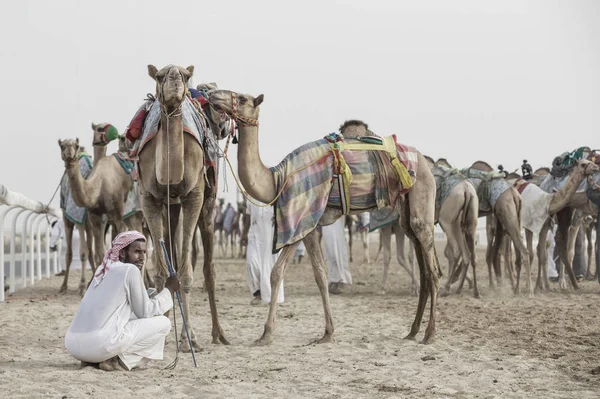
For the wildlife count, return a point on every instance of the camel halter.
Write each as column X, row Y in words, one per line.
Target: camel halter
column 240, row 119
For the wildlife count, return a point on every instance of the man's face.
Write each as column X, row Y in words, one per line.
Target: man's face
column 135, row 253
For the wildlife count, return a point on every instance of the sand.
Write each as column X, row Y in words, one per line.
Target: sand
column 499, row 346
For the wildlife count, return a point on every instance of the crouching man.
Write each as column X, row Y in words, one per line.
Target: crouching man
column 117, row 323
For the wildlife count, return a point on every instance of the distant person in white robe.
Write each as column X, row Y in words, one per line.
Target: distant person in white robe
column 552, row 272
column 336, row 255
column 259, row 254
column 299, row 253
column 117, row 324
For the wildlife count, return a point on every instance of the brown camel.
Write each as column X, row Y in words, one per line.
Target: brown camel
column 101, row 193
column 539, row 206
column 172, row 170
column 417, row 211
column 498, row 198
column 457, row 210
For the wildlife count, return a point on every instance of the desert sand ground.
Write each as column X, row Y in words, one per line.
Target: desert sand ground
column 499, row 346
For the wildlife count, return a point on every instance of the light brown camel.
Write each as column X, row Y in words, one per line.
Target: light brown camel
column 101, row 193
column 172, row 169
column 498, row 198
column 417, row 210
column 457, row 210
column 539, row 206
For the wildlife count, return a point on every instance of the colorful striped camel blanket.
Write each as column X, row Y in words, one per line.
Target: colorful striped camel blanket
column 308, row 183
column 194, row 124
column 74, row 213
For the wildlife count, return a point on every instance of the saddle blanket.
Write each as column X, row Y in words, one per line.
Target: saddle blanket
column 489, row 186
column 74, row 213
column 382, row 217
column 536, row 204
column 445, row 180
column 308, row 184
column 193, row 124
column 552, row 184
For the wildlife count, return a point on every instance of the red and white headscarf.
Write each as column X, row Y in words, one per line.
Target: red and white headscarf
column 112, row 255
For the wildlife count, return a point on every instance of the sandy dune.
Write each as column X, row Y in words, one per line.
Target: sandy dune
column 500, row 346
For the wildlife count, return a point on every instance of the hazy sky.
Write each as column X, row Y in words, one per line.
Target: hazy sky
column 493, row 80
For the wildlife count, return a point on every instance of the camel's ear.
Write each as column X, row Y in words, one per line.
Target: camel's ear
column 60, row 143
column 258, row 100
column 77, row 141
column 152, row 71
column 190, row 69
column 94, row 126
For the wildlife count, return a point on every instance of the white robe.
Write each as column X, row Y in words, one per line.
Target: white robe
column 118, row 318
column 259, row 253
column 552, row 272
column 336, row 252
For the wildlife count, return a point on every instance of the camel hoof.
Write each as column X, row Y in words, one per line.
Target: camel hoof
column 326, row 339
column 219, row 338
column 411, row 337
column 476, row 295
column 563, row 285
column 262, row 342
column 427, row 340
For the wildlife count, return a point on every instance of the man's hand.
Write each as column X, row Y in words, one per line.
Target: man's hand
column 172, row 284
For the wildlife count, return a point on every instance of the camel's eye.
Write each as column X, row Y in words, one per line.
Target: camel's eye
column 243, row 100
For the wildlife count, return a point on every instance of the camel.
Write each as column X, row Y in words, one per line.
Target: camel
column 417, row 209
column 457, row 208
column 218, row 223
column 231, row 219
column 498, row 198
column 539, row 206
column 589, row 224
column 172, row 171
column 569, row 219
column 85, row 235
column 101, row 193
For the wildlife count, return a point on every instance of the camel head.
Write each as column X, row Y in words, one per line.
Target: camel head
column 586, row 167
column 69, row 149
column 104, row 133
column 355, row 128
column 443, row 162
column 124, row 144
column 243, row 108
column 171, row 84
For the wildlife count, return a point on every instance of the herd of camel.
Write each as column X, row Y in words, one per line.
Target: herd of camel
column 170, row 170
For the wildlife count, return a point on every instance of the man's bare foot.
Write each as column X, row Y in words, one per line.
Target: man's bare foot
column 112, row 364
column 255, row 301
column 86, row 364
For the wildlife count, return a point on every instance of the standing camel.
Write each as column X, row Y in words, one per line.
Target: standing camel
column 417, row 205
column 76, row 217
column 457, row 208
column 172, row 156
column 498, row 198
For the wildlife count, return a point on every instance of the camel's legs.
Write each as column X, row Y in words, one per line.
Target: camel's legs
column 496, row 247
column 419, row 212
column 542, row 252
column 590, row 252
column 470, row 230
column 350, row 238
column 83, row 256
column 510, row 218
column 153, row 211
column 313, row 247
column 364, row 235
column 69, row 255
column 508, row 262
column 566, row 245
column 408, row 265
column 447, row 221
column 191, row 206
column 206, row 230
column 380, row 246
column 385, row 240
column 490, row 227
column 98, row 232
column 277, row 274
column 89, row 242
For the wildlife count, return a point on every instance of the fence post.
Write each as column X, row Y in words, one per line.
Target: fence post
column 3, row 214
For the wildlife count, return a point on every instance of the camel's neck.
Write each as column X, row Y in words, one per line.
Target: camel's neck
column 256, row 178
column 170, row 150
column 99, row 153
column 562, row 197
column 84, row 192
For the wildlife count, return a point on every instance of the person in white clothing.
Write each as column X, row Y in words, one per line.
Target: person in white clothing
column 552, row 272
column 259, row 253
column 336, row 255
column 117, row 323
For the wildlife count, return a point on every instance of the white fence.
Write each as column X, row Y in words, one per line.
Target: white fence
column 30, row 263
